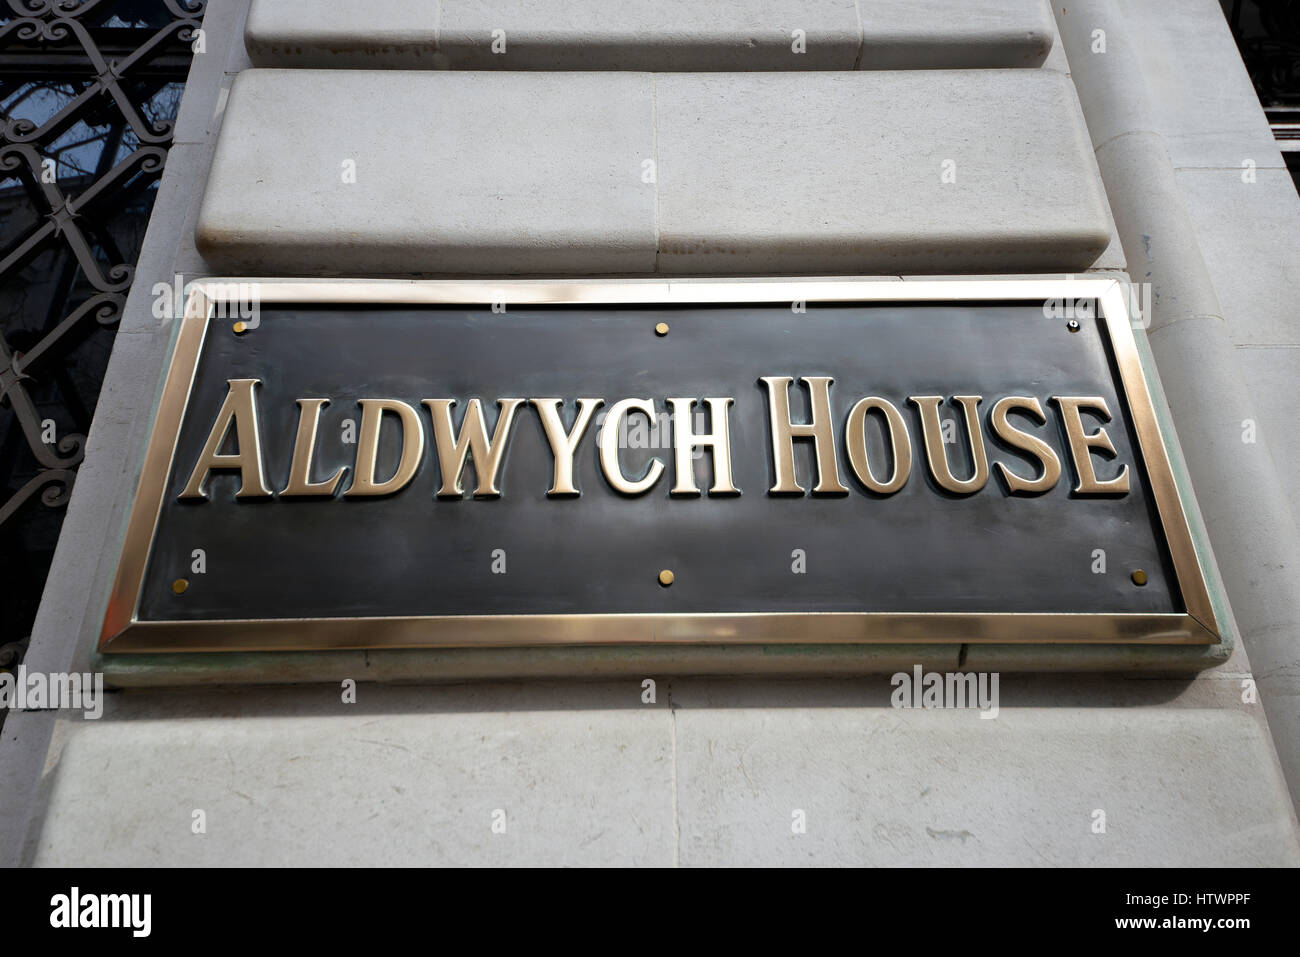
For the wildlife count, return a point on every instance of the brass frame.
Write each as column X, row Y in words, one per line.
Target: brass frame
column 124, row 632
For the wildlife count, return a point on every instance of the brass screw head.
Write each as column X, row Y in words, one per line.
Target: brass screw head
column 1139, row 577
column 1073, row 325
column 661, row 329
column 666, row 577
column 241, row 328
column 179, row 585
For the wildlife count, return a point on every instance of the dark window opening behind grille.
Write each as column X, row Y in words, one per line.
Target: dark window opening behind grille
column 1268, row 34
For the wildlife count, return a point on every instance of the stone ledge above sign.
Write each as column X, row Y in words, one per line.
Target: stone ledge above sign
column 402, row 173
column 662, row 36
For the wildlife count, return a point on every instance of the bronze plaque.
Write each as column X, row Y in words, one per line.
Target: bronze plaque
column 368, row 465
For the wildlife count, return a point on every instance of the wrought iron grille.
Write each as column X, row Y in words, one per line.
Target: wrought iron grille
column 89, row 91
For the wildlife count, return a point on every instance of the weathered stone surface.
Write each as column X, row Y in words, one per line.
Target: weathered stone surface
column 954, row 34
column 371, row 35
column 911, row 171
column 340, row 784
column 662, row 36
column 730, row 173
column 709, row 774
column 666, row 35
column 390, row 173
column 889, row 787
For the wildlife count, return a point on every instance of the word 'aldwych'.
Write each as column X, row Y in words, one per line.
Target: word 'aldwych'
column 238, row 413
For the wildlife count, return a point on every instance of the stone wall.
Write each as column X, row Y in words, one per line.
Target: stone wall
column 766, row 164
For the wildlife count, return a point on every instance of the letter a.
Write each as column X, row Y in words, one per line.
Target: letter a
column 240, row 411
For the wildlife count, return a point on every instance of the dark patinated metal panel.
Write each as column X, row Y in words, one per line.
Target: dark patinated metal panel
column 919, row 550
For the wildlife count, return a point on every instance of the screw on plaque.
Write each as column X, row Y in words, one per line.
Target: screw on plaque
column 179, row 585
column 666, row 577
column 1139, row 577
column 1073, row 325
column 661, row 329
column 241, row 328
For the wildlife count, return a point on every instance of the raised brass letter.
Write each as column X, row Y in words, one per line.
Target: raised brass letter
column 1082, row 442
column 820, row 430
column 717, row 441
column 564, row 445
column 473, row 440
column 937, row 455
column 609, row 462
column 240, row 410
column 304, row 444
column 372, row 417
column 899, row 444
column 1032, row 444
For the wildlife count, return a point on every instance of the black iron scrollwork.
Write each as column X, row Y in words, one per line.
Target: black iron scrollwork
column 88, row 95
